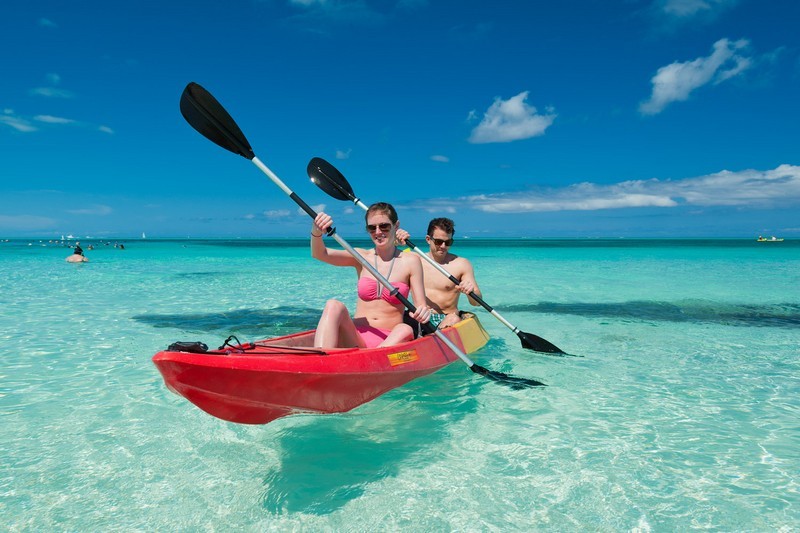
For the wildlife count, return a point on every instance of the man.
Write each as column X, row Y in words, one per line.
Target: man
column 442, row 294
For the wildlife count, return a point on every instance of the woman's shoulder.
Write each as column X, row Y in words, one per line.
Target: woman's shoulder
column 410, row 258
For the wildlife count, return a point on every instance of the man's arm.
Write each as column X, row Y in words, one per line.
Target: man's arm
column 468, row 283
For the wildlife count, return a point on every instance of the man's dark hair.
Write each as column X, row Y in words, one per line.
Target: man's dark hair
column 444, row 224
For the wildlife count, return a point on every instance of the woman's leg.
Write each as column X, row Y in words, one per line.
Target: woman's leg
column 400, row 333
column 336, row 328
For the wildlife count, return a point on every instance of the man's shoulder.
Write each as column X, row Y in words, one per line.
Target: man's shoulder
column 457, row 259
column 458, row 262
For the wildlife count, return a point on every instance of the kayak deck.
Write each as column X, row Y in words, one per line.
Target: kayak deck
column 286, row 375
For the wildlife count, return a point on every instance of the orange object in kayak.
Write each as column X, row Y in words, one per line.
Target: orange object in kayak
column 258, row 382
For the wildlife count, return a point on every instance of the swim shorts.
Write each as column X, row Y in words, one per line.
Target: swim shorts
column 436, row 319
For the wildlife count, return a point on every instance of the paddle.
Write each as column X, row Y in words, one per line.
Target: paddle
column 330, row 180
column 209, row 118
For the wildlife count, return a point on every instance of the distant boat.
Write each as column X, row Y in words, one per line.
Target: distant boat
column 769, row 239
column 144, row 236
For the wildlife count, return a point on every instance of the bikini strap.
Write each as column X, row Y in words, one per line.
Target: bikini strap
column 378, row 286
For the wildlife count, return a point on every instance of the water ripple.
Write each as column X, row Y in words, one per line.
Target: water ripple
column 258, row 322
column 783, row 315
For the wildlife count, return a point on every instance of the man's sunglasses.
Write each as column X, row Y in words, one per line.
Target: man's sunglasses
column 383, row 226
column 439, row 242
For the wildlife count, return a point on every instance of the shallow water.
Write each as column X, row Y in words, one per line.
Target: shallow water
column 684, row 411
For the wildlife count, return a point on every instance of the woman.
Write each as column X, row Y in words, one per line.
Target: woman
column 378, row 319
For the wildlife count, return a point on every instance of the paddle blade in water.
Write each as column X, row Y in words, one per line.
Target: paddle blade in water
column 510, row 381
column 538, row 344
column 207, row 116
column 329, row 179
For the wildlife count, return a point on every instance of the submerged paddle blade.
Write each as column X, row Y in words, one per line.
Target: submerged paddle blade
column 538, row 344
column 207, row 116
column 510, row 381
column 326, row 177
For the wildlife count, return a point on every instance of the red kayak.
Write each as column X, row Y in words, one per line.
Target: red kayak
column 256, row 383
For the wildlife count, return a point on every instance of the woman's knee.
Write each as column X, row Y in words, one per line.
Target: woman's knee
column 403, row 332
column 335, row 308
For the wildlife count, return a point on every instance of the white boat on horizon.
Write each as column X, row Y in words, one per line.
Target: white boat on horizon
column 769, row 239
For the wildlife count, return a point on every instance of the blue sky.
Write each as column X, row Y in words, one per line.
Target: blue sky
column 635, row 118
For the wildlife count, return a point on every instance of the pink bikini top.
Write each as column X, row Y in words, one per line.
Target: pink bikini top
column 369, row 289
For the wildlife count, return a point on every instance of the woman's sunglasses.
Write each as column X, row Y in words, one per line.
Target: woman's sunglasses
column 439, row 242
column 383, row 226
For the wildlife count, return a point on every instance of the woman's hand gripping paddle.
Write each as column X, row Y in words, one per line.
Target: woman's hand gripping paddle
column 206, row 115
column 330, row 180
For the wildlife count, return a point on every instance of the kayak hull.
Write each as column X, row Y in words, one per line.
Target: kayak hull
column 283, row 376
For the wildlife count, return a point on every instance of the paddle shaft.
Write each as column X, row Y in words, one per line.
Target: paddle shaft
column 372, row 270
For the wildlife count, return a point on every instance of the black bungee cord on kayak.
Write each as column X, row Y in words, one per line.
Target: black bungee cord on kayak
column 238, row 347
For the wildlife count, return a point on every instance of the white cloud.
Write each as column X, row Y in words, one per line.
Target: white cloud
column 277, row 213
column 579, row 197
column 337, row 11
column 747, row 189
column 343, row 154
column 692, row 8
column 440, row 158
column 26, row 125
column 756, row 188
column 18, row 123
column 50, row 119
column 96, row 209
column 319, row 208
column 53, row 78
column 47, row 23
column 52, row 92
column 676, row 81
column 510, row 120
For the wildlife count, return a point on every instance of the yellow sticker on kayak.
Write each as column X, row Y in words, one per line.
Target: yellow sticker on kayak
column 401, row 358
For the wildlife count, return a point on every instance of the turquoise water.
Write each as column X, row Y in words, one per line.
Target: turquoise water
column 684, row 412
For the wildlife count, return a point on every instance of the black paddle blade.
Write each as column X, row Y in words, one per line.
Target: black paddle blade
column 330, row 180
column 505, row 379
column 207, row 116
column 538, row 344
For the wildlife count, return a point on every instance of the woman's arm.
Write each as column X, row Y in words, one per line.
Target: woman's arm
column 416, row 281
column 320, row 251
